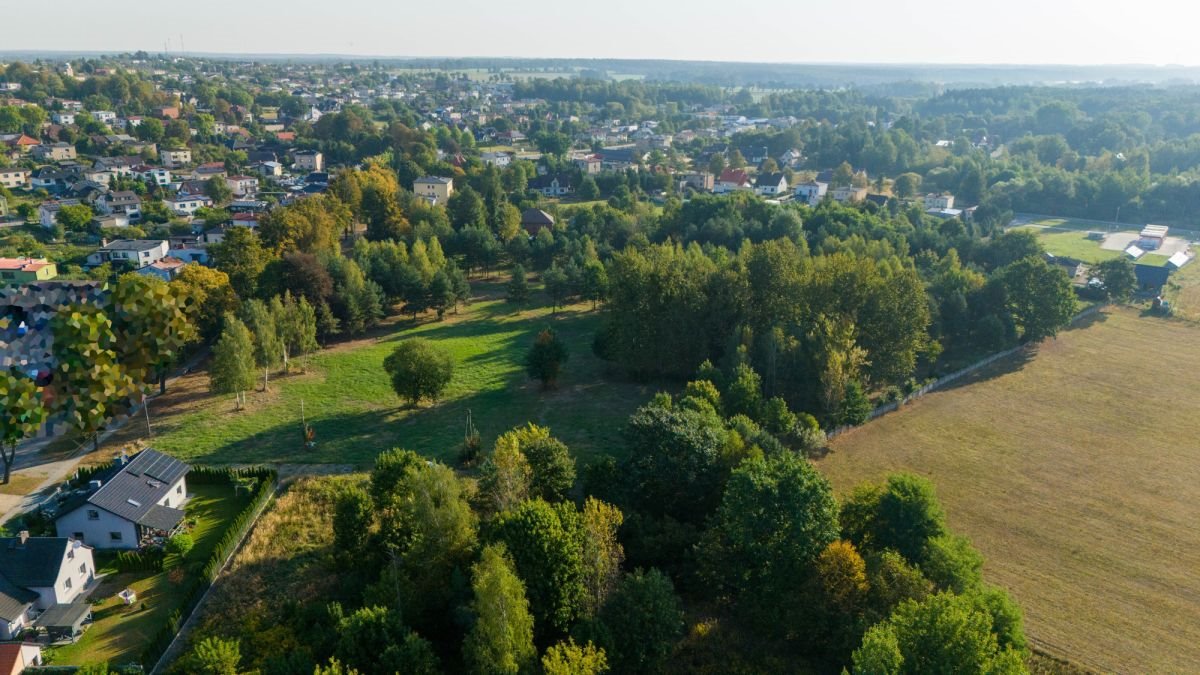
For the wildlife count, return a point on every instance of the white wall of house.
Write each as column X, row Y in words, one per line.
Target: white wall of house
column 97, row 532
column 75, row 572
column 176, row 497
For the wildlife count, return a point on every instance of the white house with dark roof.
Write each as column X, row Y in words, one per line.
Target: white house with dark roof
column 129, row 504
column 38, row 574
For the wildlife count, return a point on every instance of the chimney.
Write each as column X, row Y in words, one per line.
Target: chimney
column 24, row 535
column 103, row 242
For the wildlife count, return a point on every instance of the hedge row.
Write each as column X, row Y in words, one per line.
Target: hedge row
column 127, row 669
column 262, row 481
column 148, row 560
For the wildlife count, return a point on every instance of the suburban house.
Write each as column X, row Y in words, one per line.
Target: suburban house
column 535, row 220
column 771, row 185
column 732, row 180
column 173, row 158
column 15, row 657
column 186, row 205
column 811, row 192
column 551, row 185
column 242, row 185
column 48, row 211
column 308, row 160
column 40, row 580
column 268, row 168
column 589, row 165
column 104, row 116
column 123, row 202
column 55, row 152
column 166, row 269
column 24, row 270
column 134, row 502
column 939, row 202
column 436, row 189
column 698, row 180
column 497, row 159
column 167, row 112
column 621, row 159
column 63, row 117
column 49, row 178
column 1151, row 278
column 210, row 170
column 20, row 142
column 134, row 253
column 849, row 193
column 153, row 174
column 15, row 178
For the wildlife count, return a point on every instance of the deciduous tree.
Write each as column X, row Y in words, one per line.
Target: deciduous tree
column 501, row 639
column 419, row 370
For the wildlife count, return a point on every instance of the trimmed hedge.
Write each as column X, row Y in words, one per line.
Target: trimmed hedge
column 260, row 483
column 148, row 560
column 127, row 669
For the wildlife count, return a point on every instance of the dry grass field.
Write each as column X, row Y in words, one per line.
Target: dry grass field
column 1077, row 474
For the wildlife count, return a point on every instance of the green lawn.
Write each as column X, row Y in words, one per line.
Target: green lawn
column 349, row 402
column 1075, row 245
column 120, row 632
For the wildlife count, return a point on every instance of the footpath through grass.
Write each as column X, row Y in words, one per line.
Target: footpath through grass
column 120, row 632
column 1076, row 473
column 350, row 404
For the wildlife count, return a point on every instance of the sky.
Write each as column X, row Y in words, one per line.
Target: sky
column 789, row 31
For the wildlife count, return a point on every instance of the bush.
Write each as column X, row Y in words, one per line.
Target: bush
column 418, row 370
column 180, row 545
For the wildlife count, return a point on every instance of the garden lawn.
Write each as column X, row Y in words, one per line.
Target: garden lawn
column 1075, row 245
column 348, row 399
column 1075, row 473
column 120, row 632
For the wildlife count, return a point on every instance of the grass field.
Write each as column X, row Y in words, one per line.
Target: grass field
column 1076, row 474
column 1183, row 292
column 349, row 402
column 120, row 632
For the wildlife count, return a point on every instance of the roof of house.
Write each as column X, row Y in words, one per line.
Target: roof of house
column 34, row 564
column 14, row 599
column 132, row 490
column 770, row 179
column 132, row 245
column 1151, row 276
column 10, row 656
column 23, row 264
column 167, row 263
column 547, row 180
column 737, row 176
column 536, row 217
column 440, row 180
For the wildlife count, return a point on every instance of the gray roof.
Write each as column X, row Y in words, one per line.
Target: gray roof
column 35, row 563
column 536, row 217
column 132, row 245
column 132, row 491
column 64, row 616
column 14, row 600
column 433, row 179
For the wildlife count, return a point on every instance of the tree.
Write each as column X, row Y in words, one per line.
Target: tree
column 374, row 640
column 241, row 255
column 552, row 469
column 675, row 463
column 777, row 516
column 268, row 347
column 218, row 190
column 419, row 370
column 215, row 656
column 602, row 552
column 517, row 291
column 568, row 658
column 595, row 282
column 75, row 218
column 545, row 545
column 588, row 190
column 1039, row 297
column 558, row 286
column 906, row 185
column 903, row 514
column 22, row 413
column 153, row 325
column 501, row 639
column 466, row 209
column 1118, row 278
column 945, row 633
column 843, row 175
column 505, row 476
column 544, row 359
column 91, row 386
column 233, row 370
column 640, row 624
column 211, row 297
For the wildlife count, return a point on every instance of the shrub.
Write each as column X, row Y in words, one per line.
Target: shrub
column 180, row 545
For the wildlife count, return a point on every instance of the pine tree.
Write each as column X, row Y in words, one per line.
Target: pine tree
column 518, row 287
column 233, row 369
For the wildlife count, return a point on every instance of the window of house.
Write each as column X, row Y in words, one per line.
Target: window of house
column 179, row 489
column 67, row 584
column 114, row 536
column 83, row 568
column 71, row 554
column 93, row 514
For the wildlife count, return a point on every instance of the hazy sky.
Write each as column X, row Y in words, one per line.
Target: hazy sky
column 925, row 31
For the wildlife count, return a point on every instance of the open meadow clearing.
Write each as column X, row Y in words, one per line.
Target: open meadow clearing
column 1075, row 473
column 350, row 404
